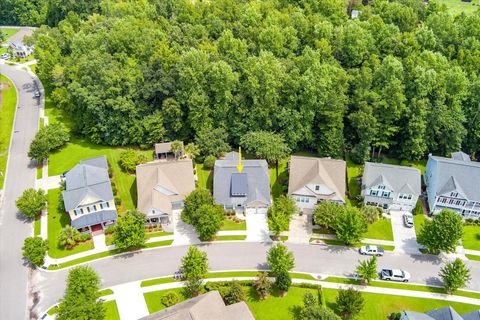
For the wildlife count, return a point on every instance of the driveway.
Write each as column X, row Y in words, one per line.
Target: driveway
column 405, row 238
column 300, row 229
column 183, row 233
column 257, row 225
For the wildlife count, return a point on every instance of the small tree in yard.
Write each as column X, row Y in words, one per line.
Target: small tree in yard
column 193, row 201
column 280, row 259
column 350, row 225
column 455, row 275
column 31, row 202
column 283, row 282
column 326, row 213
column 209, row 162
column 176, row 147
column 349, row 303
column 262, row 285
column 34, row 250
column 209, row 222
column 443, row 233
column 309, row 299
column 280, row 214
column 81, row 296
column 192, row 151
column 371, row 213
column 47, row 140
column 130, row 159
column 68, row 237
column 317, row 312
column 195, row 268
column 130, row 230
column 234, row 293
column 367, row 269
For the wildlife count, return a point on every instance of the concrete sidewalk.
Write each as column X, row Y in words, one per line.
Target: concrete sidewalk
column 130, row 301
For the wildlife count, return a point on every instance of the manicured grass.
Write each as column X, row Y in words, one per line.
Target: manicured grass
column 33, row 67
column 205, row 177
column 231, row 274
column 36, row 226
column 158, row 234
column 232, row 225
column 404, row 286
column 158, row 244
column 418, row 221
column 105, row 292
column 229, row 238
column 7, row 114
column 278, row 185
column 283, row 238
column 323, row 231
column 79, row 149
column 57, row 219
column 39, row 172
column 382, row 229
column 358, row 245
column 154, row 299
column 153, row 282
column 108, row 240
column 471, row 237
column 3, row 50
column 52, row 311
column 8, row 32
column 111, row 310
column 457, row 6
column 472, row 257
column 354, row 171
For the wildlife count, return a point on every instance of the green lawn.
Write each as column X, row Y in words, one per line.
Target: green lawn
column 382, row 229
column 418, row 221
column 458, row 6
column 232, row 225
column 8, row 32
column 57, row 219
column 472, row 257
column 278, row 184
column 3, row 50
column 358, row 245
column 111, row 310
column 471, row 237
column 33, row 67
column 205, row 177
column 229, row 238
column 36, row 226
column 354, row 171
column 153, row 299
column 105, row 292
column 7, row 114
column 158, row 234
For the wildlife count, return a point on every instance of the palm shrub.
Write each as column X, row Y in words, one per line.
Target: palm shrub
column 68, row 237
column 367, row 269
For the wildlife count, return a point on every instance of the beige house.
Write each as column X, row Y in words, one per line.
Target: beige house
column 316, row 179
column 162, row 187
column 208, row 306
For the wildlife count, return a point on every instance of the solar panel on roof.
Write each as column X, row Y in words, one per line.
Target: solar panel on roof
column 238, row 187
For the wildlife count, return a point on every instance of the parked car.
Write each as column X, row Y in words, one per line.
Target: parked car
column 394, row 275
column 5, row 56
column 371, row 251
column 37, row 93
column 408, row 220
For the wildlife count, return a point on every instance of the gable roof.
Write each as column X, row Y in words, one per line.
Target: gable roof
column 456, row 173
column 208, row 306
column 474, row 315
column 412, row 315
column 399, row 179
column 87, row 182
column 93, row 218
column 329, row 174
column 161, row 183
column 256, row 175
column 445, row 313
column 164, row 147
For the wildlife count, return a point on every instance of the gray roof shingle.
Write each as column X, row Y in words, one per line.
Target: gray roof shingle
column 446, row 313
column 399, row 178
column 94, row 218
column 474, row 315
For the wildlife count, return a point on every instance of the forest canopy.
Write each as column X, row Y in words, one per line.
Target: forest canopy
column 403, row 77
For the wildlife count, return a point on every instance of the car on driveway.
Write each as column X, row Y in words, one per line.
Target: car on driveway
column 394, row 275
column 371, row 250
column 5, row 56
column 37, row 93
column 408, row 220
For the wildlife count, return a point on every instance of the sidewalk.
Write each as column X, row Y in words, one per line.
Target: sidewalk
column 130, row 301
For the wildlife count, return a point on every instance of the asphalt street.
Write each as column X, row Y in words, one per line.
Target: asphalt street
column 321, row 259
column 20, row 176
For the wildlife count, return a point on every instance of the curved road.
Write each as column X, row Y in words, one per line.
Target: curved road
column 20, row 175
column 322, row 259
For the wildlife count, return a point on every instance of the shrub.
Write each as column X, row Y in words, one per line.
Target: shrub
column 84, row 237
column 117, row 200
column 31, row 202
column 114, row 188
column 110, row 229
column 371, row 213
column 170, row 299
column 234, row 293
column 130, row 159
column 47, row 140
column 349, row 303
column 262, row 285
column 309, row 299
column 68, row 237
column 283, row 281
column 209, row 162
column 395, row 316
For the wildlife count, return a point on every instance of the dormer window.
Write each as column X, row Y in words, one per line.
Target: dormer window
column 78, row 211
column 454, row 194
column 381, row 187
column 317, row 188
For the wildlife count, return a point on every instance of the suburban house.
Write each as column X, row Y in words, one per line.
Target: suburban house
column 452, row 183
column 445, row 313
column 316, row 179
column 208, row 306
column 163, row 151
column 88, row 196
column 390, row 186
column 162, row 187
column 19, row 50
column 236, row 190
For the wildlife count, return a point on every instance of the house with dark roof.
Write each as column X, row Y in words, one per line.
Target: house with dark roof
column 236, row 190
column 208, row 306
column 445, row 313
column 391, row 187
column 162, row 187
column 316, row 179
column 452, row 183
column 88, row 197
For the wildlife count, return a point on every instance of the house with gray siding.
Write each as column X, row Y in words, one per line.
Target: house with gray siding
column 452, row 183
column 88, row 197
column 236, row 190
column 391, row 187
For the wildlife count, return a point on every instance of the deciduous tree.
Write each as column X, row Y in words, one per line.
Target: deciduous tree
column 443, row 233
column 350, row 225
column 349, row 303
column 31, row 202
column 280, row 259
column 455, row 275
column 34, row 250
column 130, row 230
column 195, row 268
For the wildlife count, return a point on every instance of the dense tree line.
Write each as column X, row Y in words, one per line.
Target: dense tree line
column 402, row 78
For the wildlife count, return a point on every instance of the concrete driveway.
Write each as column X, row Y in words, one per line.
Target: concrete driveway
column 405, row 238
column 300, row 229
column 183, row 233
column 257, row 225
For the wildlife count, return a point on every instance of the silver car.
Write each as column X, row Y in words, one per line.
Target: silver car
column 408, row 220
